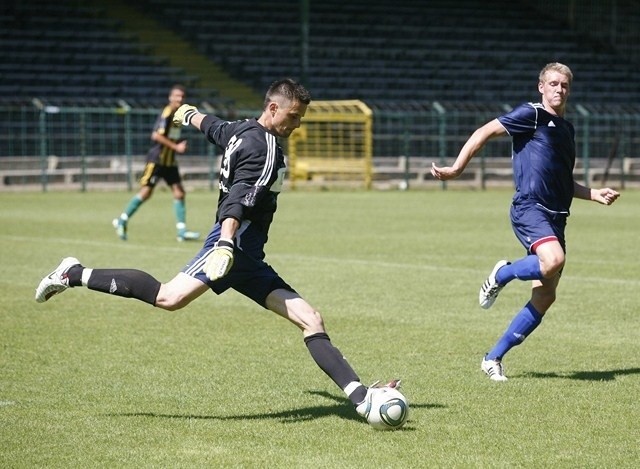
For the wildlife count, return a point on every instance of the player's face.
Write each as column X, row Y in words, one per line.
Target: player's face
column 287, row 117
column 555, row 91
column 176, row 98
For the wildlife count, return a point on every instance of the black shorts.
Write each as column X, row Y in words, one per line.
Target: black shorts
column 153, row 172
column 250, row 275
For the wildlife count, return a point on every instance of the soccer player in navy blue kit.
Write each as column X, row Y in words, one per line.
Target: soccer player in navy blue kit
column 543, row 161
column 251, row 177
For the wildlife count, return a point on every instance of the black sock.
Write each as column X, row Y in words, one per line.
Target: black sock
column 331, row 361
column 74, row 274
column 128, row 283
column 358, row 395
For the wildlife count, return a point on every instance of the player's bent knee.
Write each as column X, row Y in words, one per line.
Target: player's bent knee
column 317, row 323
column 173, row 303
column 179, row 292
column 170, row 302
column 309, row 321
column 552, row 264
column 552, row 258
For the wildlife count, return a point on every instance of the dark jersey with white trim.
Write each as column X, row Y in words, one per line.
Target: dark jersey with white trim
column 158, row 153
column 544, row 156
column 251, row 172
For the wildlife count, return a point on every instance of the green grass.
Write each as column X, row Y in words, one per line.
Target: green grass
column 88, row 380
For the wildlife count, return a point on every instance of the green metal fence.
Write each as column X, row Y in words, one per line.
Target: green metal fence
column 31, row 137
column 75, row 131
column 441, row 131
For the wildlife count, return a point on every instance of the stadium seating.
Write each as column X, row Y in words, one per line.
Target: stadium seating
column 67, row 54
column 382, row 52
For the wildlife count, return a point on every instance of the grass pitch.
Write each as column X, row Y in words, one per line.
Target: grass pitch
column 88, row 380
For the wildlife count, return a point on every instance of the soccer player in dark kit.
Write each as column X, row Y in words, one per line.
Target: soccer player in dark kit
column 543, row 160
column 162, row 164
column 251, row 176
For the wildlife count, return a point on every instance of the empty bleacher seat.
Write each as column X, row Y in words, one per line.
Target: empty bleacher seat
column 466, row 50
column 66, row 49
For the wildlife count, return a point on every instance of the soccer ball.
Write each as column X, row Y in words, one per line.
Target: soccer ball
column 388, row 410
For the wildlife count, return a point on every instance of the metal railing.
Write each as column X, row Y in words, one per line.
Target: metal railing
column 109, row 141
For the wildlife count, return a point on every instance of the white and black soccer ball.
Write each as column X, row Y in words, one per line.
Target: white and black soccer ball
column 388, row 410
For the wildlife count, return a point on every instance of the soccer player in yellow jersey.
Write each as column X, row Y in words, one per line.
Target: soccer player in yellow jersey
column 162, row 164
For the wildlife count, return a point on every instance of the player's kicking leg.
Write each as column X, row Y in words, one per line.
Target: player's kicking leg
column 127, row 283
column 291, row 306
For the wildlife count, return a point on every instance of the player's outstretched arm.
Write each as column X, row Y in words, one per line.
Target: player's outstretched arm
column 604, row 196
column 472, row 146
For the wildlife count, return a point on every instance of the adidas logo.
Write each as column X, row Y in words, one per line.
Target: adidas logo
column 551, row 124
column 113, row 287
column 519, row 337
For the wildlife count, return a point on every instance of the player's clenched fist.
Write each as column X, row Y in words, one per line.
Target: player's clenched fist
column 184, row 114
column 220, row 260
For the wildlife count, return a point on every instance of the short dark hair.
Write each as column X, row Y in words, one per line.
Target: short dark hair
column 289, row 89
column 178, row 86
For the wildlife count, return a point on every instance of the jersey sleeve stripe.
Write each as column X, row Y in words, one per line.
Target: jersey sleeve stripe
column 270, row 160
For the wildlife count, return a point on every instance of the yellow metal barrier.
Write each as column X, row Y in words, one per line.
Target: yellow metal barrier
column 333, row 145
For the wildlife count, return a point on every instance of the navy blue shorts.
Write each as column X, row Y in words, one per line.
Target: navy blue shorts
column 534, row 225
column 249, row 275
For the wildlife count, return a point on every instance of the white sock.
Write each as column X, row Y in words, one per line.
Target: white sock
column 352, row 386
column 86, row 273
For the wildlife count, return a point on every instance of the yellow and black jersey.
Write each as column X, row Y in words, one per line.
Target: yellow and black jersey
column 160, row 154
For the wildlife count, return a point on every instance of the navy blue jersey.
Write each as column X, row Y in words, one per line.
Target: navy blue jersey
column 543, row 156
column 251, row 173
column 158, row 153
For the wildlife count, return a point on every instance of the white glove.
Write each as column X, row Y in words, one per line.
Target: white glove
column 220, row 260
column 184, row 114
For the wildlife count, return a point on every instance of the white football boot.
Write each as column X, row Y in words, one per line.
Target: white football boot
column 184, row 234
column 365, row 406
column 493, row 369
column 490, row 288
column 57, row 281
column 120, row 224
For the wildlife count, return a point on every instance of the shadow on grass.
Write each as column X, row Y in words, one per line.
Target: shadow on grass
column 342, row 408
column 605, row 375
